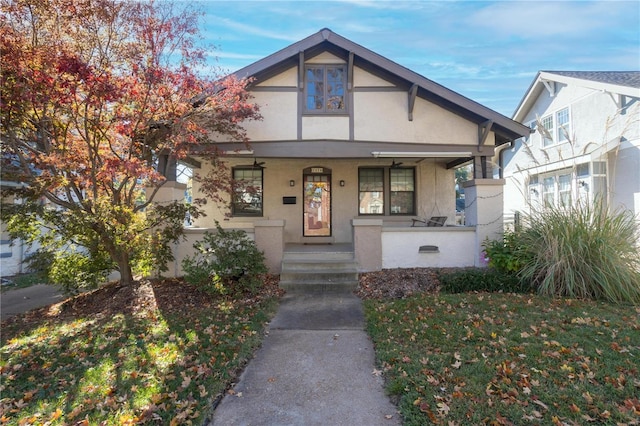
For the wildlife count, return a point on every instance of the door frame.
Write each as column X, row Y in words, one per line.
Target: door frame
column 316, row 171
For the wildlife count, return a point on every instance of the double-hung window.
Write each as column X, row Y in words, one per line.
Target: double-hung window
column 247, row 191
column 556, row 127
column 386, row 191
column 402, row 191
column 371, row 191
column 325, row 89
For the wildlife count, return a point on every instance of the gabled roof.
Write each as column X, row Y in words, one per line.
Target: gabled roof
column 625, row 83
column 326, row 40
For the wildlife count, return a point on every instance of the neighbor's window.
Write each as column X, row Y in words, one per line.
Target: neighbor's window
column 562, row 125
column 247, row 192
column 371, row 191
column 556, row 127
column 325, row 88
column 402, row 191
column 547, row 130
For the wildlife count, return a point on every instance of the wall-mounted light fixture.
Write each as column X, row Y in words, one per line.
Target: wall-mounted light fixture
column 292, row 182
column 584, row 185
column 534, row 191
column 341, row 183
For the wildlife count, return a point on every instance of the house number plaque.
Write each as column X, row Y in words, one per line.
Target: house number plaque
column 317, row 170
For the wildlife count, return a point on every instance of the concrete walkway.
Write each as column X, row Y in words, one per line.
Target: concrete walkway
column 21, row 300
column 315, row 367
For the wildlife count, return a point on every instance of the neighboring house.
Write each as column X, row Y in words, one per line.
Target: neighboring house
column 585, row 141
column 12, row 253
column 351, row 148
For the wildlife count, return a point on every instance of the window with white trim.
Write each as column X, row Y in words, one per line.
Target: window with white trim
column 556, row 127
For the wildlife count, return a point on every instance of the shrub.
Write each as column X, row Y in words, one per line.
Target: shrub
column 505, row 255
column 481, row 279
column 72, row 270
column 582, row 251
column 226, row 260
column 76, row 271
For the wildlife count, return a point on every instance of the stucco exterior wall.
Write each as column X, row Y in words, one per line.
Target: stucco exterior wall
column 596, row 126
column 431, row 124
column 401, row 247
column 435, row 194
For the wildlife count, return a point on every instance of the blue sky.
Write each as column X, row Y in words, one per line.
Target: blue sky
column 487, row 51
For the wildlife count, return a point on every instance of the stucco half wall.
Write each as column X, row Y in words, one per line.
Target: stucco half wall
column 448, row 246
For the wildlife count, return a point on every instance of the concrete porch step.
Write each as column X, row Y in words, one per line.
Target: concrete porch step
column 319, row 269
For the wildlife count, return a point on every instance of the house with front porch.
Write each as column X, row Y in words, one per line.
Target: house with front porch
column 352, row 147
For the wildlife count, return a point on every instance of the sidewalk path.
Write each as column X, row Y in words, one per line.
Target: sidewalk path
column 315, row 367
column 21, row 300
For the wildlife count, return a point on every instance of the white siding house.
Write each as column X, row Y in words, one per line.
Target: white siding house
column 585, row 140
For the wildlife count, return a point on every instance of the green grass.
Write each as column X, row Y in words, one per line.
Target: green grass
column 149, row 366
column 508, row 359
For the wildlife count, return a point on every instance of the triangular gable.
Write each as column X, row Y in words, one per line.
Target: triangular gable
column 356, row 55
column 620, row 83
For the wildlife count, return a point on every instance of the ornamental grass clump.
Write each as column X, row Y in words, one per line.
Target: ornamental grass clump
column 583, row 251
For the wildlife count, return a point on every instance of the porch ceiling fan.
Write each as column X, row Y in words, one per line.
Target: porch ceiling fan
column 258, row 165
column 395, row 165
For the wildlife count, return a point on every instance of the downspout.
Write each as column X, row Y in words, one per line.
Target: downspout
column 501, row 150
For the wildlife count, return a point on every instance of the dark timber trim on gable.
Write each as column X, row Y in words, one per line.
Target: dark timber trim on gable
column 356, row 55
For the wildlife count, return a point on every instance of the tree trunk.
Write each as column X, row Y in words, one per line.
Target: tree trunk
column 124, row 267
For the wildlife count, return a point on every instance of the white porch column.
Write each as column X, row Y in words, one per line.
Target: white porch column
column 484, row 209
column 269, row 238
column 367, row 244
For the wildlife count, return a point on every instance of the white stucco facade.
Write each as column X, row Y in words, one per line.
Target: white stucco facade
column 599, row 152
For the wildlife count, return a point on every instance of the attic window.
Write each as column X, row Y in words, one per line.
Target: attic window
column 325, row 89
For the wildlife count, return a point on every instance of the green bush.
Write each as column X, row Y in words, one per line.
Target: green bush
column 582, row 251
column 505, row 255
column 72, row 270
column 76, row 272
column 481, row 279
column 226, row 260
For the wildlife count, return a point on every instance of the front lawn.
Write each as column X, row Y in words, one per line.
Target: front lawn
column 160, row 352
column 503, row 359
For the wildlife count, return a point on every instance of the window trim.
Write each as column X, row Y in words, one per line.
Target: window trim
column 324, row 111
column 556, row 129
column 413, row 193
column 386, row 192
column 233, row 203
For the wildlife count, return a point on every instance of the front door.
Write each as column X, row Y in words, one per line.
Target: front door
column 317, row 202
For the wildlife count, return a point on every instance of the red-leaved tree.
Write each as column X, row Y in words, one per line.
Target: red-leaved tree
column 95, row 95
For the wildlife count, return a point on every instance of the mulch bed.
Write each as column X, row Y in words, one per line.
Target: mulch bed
column 399, row 283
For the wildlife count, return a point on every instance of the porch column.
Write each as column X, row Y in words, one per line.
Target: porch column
column 269, row 238
column 169, row 192
column 367, row 244
column 484, row 209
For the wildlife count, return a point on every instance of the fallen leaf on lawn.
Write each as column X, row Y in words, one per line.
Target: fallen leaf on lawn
column 540, row 403
column 376, row 372
column 456, row 364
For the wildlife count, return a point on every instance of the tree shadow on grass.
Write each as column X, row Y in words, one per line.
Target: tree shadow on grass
column 155, row 351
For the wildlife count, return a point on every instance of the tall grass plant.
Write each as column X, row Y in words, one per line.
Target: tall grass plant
column 582, row 251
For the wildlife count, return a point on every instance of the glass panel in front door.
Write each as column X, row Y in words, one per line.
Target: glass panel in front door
column 317, row 206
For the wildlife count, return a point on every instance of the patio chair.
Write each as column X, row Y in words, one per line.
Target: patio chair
column 433, row 221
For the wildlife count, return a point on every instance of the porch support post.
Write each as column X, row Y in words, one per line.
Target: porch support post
column 169, row 192
column 367, row 244
column 269, row 238
column 484, row 210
